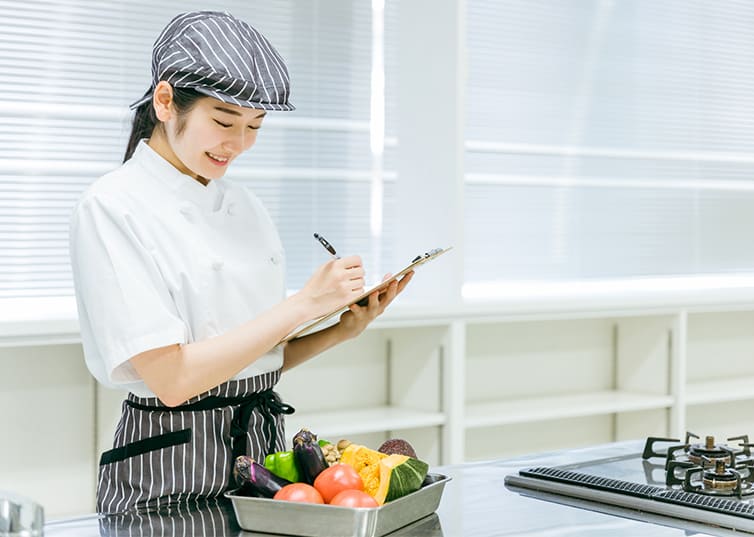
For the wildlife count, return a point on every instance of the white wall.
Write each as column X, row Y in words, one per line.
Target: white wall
column 48, row 414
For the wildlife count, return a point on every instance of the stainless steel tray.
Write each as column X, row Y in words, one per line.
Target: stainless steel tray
column 316, row 520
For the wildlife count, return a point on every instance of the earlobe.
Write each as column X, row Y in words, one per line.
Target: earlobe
column 162, row 100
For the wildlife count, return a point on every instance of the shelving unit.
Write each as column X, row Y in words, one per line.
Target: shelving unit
column 560, row 407
column 461, row 383
column 612, row 370
column 364, row 421
column 720, row 390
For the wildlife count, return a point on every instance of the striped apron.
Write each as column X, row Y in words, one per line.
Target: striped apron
column 212, row 517
column 163, row 455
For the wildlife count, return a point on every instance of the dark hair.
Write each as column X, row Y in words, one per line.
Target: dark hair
column 145, row 120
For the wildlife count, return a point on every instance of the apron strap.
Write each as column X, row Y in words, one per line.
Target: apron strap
column 267, row 401
column 269, row 405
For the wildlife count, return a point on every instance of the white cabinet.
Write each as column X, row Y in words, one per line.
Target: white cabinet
column 534, row 385
column 475, row 382
column 387, row 383
column 720, row 371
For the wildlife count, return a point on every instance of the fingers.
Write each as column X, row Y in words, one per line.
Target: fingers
column 352, row 261
column 392, row 292
column 404, row 281
column 379, row 300
column 350, row 271
column 348, row 276
column 387, row 294
column 394, row 289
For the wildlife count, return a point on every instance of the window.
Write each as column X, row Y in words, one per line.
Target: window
column 69, row 73
column 608, row 140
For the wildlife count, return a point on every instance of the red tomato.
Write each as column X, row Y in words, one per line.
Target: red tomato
column 299, row 492
column 337, row 478
column 354, row 498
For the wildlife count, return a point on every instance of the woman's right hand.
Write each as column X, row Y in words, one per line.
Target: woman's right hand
column 334, row 284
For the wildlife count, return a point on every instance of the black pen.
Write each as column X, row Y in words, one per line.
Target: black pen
column 323, row 241
column 327, row 245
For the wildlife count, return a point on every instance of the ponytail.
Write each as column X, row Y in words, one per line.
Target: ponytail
column 144, row 123
column 145, row 119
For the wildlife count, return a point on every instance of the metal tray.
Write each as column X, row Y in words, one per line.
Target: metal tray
column 316, row 520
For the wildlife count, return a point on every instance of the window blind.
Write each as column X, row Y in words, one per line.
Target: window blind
column 68, row 71
column 608, row 139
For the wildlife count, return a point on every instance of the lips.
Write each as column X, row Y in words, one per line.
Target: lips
column 219, row 160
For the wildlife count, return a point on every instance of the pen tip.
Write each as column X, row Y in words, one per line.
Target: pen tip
column 316, row 235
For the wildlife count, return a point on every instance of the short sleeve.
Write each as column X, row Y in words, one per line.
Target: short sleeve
column 125, row 307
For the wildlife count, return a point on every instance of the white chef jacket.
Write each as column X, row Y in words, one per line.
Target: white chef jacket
column 158, row 259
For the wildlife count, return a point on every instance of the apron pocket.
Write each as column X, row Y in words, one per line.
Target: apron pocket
column 161, row 441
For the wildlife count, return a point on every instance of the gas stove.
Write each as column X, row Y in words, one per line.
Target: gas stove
column 700, row 480
column 707, row 468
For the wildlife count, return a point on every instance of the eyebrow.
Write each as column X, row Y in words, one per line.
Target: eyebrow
column 236, row 113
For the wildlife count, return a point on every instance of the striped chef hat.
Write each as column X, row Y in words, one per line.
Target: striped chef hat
column 220, row 56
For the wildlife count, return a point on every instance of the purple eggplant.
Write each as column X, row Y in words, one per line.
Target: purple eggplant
column 253, row 477
column 311, row 461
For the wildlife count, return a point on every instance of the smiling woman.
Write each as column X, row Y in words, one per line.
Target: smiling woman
column 179, row 275
column 203, row 138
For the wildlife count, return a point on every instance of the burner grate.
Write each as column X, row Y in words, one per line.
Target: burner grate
column 615, row 486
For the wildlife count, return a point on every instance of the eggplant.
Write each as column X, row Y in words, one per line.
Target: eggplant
column 311, row 461
column 253, row 477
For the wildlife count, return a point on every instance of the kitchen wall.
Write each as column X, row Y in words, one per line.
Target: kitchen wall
column 48, row 407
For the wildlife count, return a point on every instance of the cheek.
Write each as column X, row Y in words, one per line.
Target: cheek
column 251, row 139
column 206, row 137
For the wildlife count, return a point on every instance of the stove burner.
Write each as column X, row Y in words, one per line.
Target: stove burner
column 722, row 481
column 709, row 468
column 709, row 454
column 696, row 452
column 721, row 478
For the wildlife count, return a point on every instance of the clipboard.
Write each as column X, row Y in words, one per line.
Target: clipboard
column 416, row 262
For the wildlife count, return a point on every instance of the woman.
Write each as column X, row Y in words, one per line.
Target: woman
column 179, row 274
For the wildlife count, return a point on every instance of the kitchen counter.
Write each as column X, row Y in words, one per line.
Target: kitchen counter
column 475, row 503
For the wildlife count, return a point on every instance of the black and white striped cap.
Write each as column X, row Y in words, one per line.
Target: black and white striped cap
column 220, row 56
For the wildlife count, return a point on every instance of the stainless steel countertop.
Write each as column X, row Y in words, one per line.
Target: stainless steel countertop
column 475, row 503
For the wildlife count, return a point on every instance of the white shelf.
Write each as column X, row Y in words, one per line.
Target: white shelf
column 339, row 424
column 556, row 407
column 720, row 391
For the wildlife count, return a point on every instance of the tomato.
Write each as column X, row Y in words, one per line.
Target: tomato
column 299, row 492
column 354, row 498
column 337, row 478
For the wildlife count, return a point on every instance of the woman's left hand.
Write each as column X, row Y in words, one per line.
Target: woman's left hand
column 357, row 318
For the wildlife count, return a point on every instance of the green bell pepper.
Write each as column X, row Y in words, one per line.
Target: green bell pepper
column 283, row 464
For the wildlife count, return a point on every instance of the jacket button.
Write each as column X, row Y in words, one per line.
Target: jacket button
column 186, row 211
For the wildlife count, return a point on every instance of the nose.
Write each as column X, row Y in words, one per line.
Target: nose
column 235, row 141
column 240, row 140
